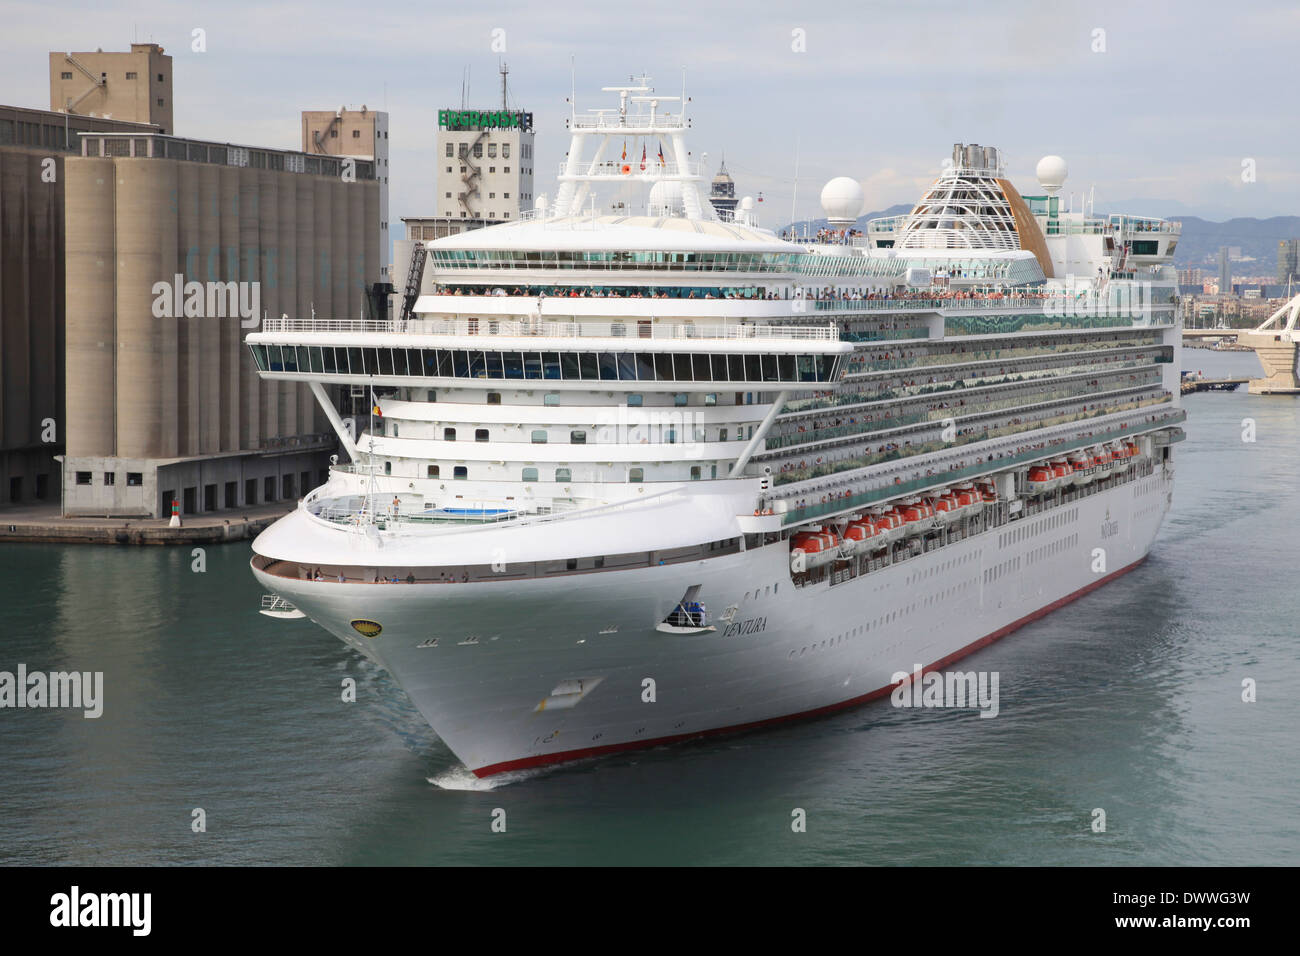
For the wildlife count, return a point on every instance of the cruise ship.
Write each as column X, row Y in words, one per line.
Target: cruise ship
column 634, row 473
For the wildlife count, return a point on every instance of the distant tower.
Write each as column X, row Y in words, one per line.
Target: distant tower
column 1225, row 271
column 722, row 194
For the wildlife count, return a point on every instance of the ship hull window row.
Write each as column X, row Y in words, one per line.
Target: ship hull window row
column 542, row 366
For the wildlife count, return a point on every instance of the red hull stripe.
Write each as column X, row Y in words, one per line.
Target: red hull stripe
column 566, row 755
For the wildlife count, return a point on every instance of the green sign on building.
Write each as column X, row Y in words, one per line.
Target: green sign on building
column 484, row 119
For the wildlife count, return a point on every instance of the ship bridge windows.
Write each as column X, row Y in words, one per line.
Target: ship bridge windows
column 563, row 366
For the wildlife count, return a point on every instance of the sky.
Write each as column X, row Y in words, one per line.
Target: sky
column 1173, row 108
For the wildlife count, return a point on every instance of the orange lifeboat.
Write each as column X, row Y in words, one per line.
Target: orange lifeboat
column 1102, row 460
column 889, row 526
column 1119, row 459
column 917, row 516
column 1042, row 479
column 811, row 549
column 971, row 501
column 1062, row 471
column 1082, row 467
column 946, row 508
column 860, row 535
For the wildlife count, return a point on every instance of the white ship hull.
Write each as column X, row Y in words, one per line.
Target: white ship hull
column 533, row 672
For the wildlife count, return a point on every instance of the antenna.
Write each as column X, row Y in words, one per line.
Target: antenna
column 573, row 90
column 505, row 72
column 794, row 198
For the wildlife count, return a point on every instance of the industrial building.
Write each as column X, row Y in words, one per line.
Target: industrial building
column 133, row 87
column 176, row 248
column 360, row 134
column 33, row 145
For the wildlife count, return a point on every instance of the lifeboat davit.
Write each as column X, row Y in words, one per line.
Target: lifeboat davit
column 812, row 549
column 989, row 493
column 1042, row 480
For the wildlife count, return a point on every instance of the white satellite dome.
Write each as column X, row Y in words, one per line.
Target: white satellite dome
column 842, row 200
column 747, row 202
column 666, row 198
column 1051, row 172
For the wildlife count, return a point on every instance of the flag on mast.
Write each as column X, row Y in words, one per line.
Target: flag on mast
column 661, row 155
column 625, row 150
column 643, row 156
column 374, row 404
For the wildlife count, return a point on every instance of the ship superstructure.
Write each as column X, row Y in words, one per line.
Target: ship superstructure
column 634, row 474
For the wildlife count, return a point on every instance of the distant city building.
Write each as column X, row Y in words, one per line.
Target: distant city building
column 1191, row 276
column 1225, row 270
column 722, row 194
column 134, row 87
column 485, row 162
column 1288, row 261
column 33, row 147
column 361, row 134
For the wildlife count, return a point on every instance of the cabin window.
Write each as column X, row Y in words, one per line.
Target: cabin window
column 634, row 400
column 711, row 398
column 551, row 398
column 494, row 398
column 388, row 468
column 449, row 434
column 563, row 474
column 431, row 396
column 636, row 475
column 539, row 436
column 695, row 472
column 679, row 398
column 578, row 437
column 431, row 471
column 670, row 436
column 571, row 564
column 530, row 474
column 460, row 471
column 722, row 434
column 480, row 434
